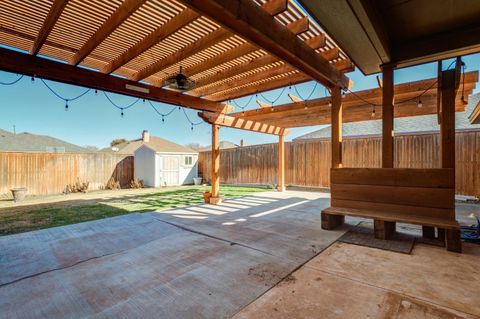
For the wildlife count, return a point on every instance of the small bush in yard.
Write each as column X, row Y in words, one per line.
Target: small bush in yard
column 136, row 183
column 77, row 187
column 112, row 184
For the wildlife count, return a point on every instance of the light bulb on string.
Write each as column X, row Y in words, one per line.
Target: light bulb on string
column 243, row 113
column 96, row 92
column 121, row 114
column 66, row 105
column 163, row 118
column 373, row 111
column 33, row 79
column 329, row 103
column 192, row 127
column 305, row 107
column 143, row 101
column 420, row 103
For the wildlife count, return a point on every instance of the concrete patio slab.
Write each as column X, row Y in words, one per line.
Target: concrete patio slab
column 348, row 281
column 169, row 264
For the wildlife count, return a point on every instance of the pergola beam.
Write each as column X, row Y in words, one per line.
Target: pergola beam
column 242, row 124
column 53, row 14
column 274, row 7
column 253, row 23
column 126, row 9
column 207, row 41
column 159, row 34
column 267, row 84
column 13, row 61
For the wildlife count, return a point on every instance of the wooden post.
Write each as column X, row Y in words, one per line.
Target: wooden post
column 330, row 221
column 281, row 163
column 384, row 229
column 387, row 117
column 215, row 198
column 336, row 115
column 447, row 142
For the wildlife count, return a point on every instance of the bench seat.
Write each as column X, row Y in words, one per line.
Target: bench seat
column 394, row 217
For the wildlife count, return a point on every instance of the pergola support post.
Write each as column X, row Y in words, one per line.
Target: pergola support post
column 215, row 197
column 281, row 163
column 384, row 229
column 330, row 221
column 447, row 143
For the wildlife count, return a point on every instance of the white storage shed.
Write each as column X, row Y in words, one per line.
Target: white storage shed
column 159, row 162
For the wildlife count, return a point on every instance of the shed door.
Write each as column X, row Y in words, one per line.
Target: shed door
column 171, row 166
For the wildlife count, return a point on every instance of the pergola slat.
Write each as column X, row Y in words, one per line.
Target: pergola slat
column 242, row 124
column 211, row 39
column 55, row 11
column 171, row 26
column 259, row 27
column 121, row 14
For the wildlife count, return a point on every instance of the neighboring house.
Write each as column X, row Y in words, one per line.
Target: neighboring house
column 414, row 124
column 27, row 142
column 159, row 162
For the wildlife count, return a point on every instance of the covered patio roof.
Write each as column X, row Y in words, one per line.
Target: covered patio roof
column 273, row 44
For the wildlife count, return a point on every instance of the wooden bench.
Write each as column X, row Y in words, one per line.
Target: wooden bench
column 423, row 197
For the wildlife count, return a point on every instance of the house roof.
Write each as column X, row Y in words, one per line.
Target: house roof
column 223, row 146
column 27, row 142
column 157, row 144
column 424, row 123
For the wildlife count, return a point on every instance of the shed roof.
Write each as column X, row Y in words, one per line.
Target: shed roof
column 157, row 144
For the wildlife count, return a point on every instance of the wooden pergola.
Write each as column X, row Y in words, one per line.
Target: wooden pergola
column 231, row 48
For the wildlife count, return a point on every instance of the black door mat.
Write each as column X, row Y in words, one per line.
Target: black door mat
column 363, row 235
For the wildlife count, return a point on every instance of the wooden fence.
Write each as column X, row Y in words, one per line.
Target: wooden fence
column 307, row 163
column 50, row 173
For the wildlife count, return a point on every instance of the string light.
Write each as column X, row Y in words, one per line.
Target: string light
column 13, row 82
column 420, row 105
column 373, row 111
column 309, row 95
column 33, row 79
column 66, row 105
column 121, row 114
column 306, row 107
column 96, row 92
column 330, row 103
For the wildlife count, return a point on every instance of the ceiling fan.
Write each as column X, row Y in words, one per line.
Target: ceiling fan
column 180, row 82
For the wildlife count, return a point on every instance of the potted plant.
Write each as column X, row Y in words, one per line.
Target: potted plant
column 19, row 193
column 206, row 197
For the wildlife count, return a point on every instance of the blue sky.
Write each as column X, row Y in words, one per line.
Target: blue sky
column 93, row 120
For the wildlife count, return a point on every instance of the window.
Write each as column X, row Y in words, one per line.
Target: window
column 188, row 160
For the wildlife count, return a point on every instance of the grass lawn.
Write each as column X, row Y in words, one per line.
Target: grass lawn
column 59, row 214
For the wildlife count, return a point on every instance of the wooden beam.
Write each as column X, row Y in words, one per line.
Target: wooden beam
column 13, row 61
column 171, row 26
column 299, row 26
column 387, row 117
column 116, row 19
column 242, row 124
column 331, row 54
column 317, row 42
column 227, row 56
column 263, row 104
column 344, row 66
column 53, row 14
column 207, row 41
column 274, row 7
column 268, row 84
column 294, row 98
column 215, row 164
column 233, row 71
column 245, row 80
column 281, row 163
column 253, row 23
column 336, row 116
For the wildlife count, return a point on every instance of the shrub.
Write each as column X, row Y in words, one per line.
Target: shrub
column 77, row 187
column 136, row 183
column 112, row 184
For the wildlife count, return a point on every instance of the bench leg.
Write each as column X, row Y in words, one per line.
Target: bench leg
column 453, row 242
column 428, row 232
column 330, row 221
column 441, row 235
column 383, row 229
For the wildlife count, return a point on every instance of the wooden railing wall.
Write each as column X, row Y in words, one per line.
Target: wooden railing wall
column 307, row 163
column 50, row 173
